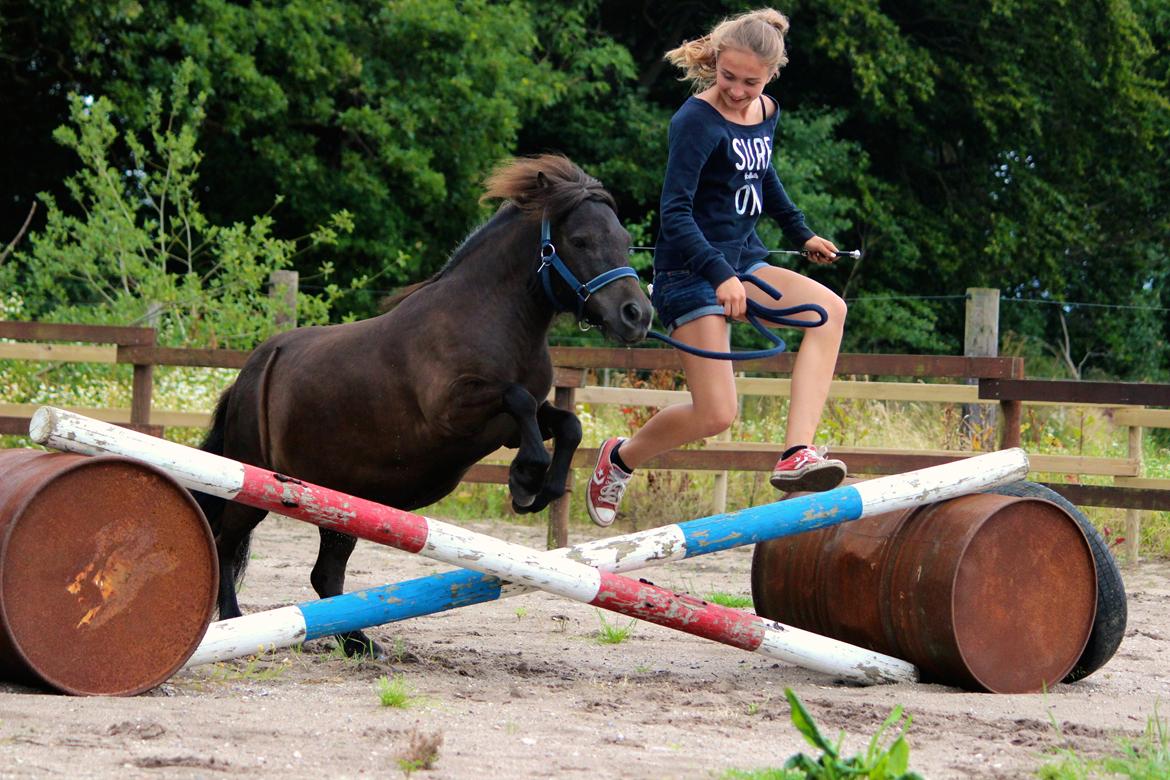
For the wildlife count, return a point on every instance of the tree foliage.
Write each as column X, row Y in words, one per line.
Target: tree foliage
column 140, row 250
column 994, row 143
column 1024, row 148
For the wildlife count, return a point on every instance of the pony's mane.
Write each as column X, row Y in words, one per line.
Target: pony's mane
column 548, row 185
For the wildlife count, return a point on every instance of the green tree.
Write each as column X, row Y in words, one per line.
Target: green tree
column 1023, row 148
column 140, row 248
column 392, row 110
column 1003, row 143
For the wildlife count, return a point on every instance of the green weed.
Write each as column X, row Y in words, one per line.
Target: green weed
column 610, row 634
column 395, row 692
column 1145, row 758
column 398, row 652
column 337, row 653
column 889, row 762
column 734, row 600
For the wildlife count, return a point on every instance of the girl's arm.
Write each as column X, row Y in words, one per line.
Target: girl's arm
column 690, row 146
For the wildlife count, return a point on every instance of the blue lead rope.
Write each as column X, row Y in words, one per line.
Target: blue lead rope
column 755, row 313
column 550, row 261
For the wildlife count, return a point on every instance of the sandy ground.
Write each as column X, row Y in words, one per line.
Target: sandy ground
column 521, row 688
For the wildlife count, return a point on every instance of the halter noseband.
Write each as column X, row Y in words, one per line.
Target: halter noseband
column 550, row 260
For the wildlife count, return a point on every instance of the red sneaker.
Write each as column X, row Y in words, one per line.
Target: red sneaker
column 807, row 470
column 606, row 487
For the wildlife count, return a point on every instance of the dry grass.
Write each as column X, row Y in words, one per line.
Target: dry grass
column 420, row 752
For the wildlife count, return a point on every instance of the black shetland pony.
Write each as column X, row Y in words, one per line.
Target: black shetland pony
column 395, row 409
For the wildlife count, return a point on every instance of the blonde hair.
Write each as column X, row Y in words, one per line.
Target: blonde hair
column 759, row 32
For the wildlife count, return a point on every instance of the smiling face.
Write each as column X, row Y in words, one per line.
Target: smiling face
column 740, row 77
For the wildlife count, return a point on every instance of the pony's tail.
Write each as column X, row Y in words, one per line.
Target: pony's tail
column 213, row 506
column 213, row 442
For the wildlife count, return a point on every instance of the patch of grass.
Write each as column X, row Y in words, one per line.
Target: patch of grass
column 610, row 634
column 421, row 751
column 734, row 600
column 398, row 651
column 337, row 653
column 521, row 612
column 254, row 668
column 763, row 774
column 480, row 501
column 395, row 692
column 1146, row 757
column 889, row 762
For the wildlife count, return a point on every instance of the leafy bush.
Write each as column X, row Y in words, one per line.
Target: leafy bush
column 134, row 247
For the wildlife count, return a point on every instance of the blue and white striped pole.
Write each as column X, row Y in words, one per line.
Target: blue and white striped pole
column 287, row 626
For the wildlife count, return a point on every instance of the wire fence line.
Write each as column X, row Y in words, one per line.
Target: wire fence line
column 882, row 298
column 856, row 299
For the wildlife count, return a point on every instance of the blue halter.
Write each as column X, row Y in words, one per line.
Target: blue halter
column 549, row 259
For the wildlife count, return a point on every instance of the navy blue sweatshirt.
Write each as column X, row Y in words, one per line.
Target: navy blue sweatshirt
column 719, row 179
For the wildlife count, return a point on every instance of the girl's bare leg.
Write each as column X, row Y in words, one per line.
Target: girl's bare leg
column 714, row 403
column 817, row 356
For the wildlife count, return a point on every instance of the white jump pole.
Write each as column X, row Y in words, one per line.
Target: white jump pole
column 555, row 573
column 286, row 626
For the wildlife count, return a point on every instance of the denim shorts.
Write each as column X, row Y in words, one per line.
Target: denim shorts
column 681, row 295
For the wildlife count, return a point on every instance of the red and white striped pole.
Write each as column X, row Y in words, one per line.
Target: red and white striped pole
column 215, row 475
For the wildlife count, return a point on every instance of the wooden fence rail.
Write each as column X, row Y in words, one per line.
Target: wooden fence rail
column 991, row 380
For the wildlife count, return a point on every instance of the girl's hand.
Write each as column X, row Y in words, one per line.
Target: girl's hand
column 732, row 297
column 821, row 250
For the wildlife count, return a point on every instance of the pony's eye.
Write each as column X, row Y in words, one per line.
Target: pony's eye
column 579, row 242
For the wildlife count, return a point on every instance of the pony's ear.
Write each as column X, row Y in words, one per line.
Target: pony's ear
column 541, row 180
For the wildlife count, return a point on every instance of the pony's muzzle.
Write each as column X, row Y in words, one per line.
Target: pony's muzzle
column 635, row 315
column 635, row 319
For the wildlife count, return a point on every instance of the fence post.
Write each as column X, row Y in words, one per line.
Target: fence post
column 282, row 289
column 981, row 339
column 142, row 388
column 719, row 490
column 565, row 381
column 1133, row 517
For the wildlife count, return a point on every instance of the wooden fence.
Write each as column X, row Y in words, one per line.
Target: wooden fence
column 972, row 380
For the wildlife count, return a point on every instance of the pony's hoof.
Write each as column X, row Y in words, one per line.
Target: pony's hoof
column 358, row 645
column 521, row 503
column 528, row 509
column 538, row 503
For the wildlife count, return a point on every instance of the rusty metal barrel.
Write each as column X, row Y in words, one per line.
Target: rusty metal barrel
column 984, row 592
column 108, row 573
